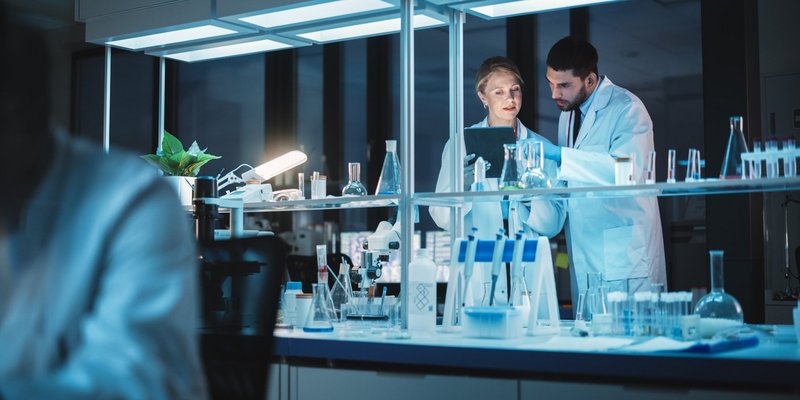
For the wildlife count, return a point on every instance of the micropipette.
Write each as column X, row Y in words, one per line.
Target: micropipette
column 497, row 258
column 469, row 262
column 516, row 265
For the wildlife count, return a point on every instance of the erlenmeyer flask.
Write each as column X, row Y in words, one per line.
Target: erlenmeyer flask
column 732, row 164
column 718, row 310
column 354, row 186
column 509, row 178
column 389, row 182
column 321, row 315
column 341, row 292
column 534, row 175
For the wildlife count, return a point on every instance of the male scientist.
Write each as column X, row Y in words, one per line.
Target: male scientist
column 600, row 122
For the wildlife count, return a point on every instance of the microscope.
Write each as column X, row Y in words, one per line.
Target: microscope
column 375, row 253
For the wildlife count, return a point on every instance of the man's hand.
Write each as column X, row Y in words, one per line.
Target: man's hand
column 552, row 152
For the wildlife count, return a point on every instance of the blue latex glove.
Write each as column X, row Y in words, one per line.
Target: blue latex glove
column 552, row 152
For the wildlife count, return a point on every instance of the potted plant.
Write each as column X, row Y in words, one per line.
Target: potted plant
column 180, row 166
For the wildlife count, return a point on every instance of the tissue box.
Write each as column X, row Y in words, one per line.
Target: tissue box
column 493, row 322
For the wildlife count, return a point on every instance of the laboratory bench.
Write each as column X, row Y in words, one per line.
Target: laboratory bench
column 368, row 364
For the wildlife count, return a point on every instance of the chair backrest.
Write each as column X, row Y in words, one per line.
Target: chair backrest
column 239, row 315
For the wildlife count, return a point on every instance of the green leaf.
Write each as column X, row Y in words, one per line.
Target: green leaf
column 153, row 160
column 170, row 144
column 194, row 169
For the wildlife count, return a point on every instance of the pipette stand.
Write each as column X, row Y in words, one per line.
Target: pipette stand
column 544, row 286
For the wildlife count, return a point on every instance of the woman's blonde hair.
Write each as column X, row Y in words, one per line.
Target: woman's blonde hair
column 495, row 64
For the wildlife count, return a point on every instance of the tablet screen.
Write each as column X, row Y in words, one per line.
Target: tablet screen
column 487, row 142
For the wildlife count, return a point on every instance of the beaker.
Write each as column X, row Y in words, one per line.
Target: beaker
column 534, row 175
column 509, row 178
column 718, row 310
column 354, row 186
column 389, row 181
column 732, row 164
column 321, row 315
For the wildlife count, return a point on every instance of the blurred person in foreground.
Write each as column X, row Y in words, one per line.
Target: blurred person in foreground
column 98, row 279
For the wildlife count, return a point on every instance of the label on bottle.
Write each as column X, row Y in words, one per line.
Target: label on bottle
column 422, row 307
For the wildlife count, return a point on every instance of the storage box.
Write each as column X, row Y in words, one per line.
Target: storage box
column 493, row 322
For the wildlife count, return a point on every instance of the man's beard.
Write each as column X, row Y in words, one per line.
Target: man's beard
column 574, row 105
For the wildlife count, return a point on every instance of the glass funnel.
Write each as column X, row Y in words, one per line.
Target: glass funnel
column 389, row 182
column 534, row 175
column 354, row 186
column 717, row 310
column 322, row 313
column 732, row 164
column 509, row 178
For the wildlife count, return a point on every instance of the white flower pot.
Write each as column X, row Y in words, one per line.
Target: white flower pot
column 184, row 186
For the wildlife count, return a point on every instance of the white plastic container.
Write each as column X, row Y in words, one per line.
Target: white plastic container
column 493, row 322
column 290, row 301
column 422, row 293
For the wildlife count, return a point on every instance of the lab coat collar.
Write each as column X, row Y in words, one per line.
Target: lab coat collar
column 522, row 131
column 596, row 102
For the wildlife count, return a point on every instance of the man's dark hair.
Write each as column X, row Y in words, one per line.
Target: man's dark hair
column 571, row 53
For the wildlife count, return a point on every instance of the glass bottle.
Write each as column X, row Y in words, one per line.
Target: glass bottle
column 321, row 315
column 509, row 178
column 389, row 181
column 732, row 164
column 534, row 175
column 354, row 186
column 718, row 310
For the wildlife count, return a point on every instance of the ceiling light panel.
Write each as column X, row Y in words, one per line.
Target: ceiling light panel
column 315, row 12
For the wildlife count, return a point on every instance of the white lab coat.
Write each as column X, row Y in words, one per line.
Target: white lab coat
column 619, row 237
column 103, row 297
column 547, row 219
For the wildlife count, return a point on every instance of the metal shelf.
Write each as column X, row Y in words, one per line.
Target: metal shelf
column 702, row 188
column 328, row 203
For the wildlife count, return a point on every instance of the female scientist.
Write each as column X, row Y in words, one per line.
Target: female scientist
column 499, row 87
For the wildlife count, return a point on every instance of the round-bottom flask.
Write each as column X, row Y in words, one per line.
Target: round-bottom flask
column 717, row 310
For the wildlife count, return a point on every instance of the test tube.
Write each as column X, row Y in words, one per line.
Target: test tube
column 697, row 170
column 690, row 173
column 772, row 157
column 789, row 157
column 755, row 164
column 671, row 166
column 301, row 184
column 651, row 168
column 643, row 311
column 657, row 309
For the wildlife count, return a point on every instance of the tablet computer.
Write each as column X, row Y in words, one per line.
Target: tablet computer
column 487, row 142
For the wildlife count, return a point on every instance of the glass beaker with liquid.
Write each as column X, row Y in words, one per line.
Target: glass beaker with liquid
column 534, row 175
column 509, row 178
column 389, row 181
column 718, row 310
column 354, row 186
column 732, row 164
column 322, row 313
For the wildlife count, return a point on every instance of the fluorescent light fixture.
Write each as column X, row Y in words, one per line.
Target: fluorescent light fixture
column 275, row 166
column 256, row 46
column 529, row 6
column 172, row 37
column 368, row 29
column 315, row 12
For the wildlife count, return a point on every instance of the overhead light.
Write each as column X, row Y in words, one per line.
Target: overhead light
column 228, row 48
column 172, row 37
column 316, row 12
column 529, row 6
column 368, row 29
column 275, row 166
